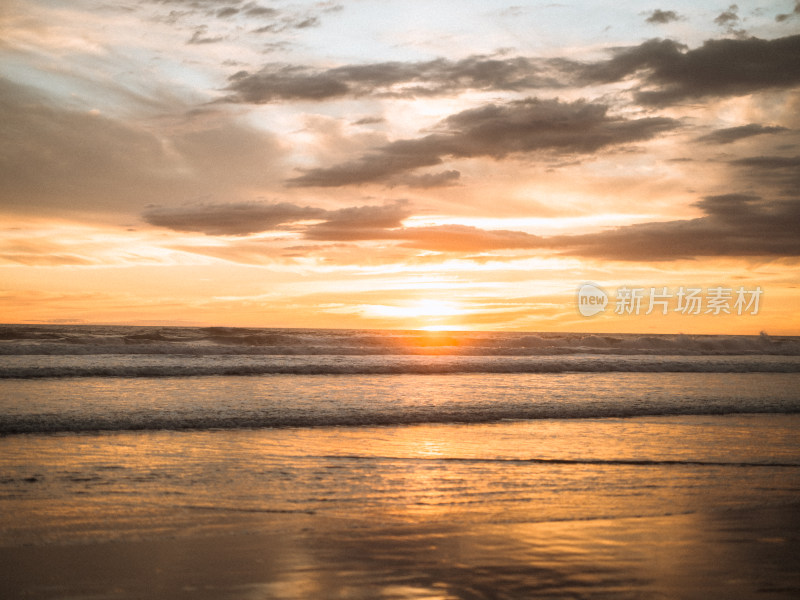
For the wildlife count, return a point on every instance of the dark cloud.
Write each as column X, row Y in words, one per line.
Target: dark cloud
column 734, row 225
column 260, row 11
column 291, row 82
column 783, row 17
column 306, row 23
column 382, row 165
column 660, row 17
column 496, row 131
column 230, row 219
column 770, row 162
column 669, row 73
column 732, row 134
column 430, row 180
column 728, row 17
column 360, row 222
column 369, row 121
column 244, row 218
column 200, row 37
column 727, row 67
column 781, row 173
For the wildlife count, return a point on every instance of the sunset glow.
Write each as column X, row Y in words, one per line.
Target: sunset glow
column 388, row 165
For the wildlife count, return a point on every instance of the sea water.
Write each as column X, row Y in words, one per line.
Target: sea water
column 477, row 447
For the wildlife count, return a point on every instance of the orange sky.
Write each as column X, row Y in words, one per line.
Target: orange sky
column 448, row 165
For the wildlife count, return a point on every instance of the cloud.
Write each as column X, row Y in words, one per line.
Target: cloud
column 669, row 72
column 734, row 225
column 277, row 82
column 779, row 172
column 728, row 67
column 287, row 23
column 496, row 131
column 461, row 238
column 261, row 11
column 430, row 180
column 230, row 219
column 200, row 36
column 227, row 12
column 360, row 222
column 68, row 161
column 660, row 17
column 244, row 218
column 732, row 134
column 65, row 157
column 729, row 17
column 784, row 17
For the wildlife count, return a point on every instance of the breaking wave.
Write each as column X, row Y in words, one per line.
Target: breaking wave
column 207, row 341
column 33, row 367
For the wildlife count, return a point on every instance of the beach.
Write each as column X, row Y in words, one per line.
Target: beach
column 597, row 474
column 677, row 507
column 736, row 554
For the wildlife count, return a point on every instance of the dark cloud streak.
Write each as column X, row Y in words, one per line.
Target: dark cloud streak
column 732, row 134
column 495, row 131
column 728, row 67
column 437, row 77
column 230, row 219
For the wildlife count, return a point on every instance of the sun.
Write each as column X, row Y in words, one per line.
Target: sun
column 425, row 313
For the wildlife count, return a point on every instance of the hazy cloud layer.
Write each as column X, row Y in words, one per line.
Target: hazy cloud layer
column 496, row 131
column 72, row 161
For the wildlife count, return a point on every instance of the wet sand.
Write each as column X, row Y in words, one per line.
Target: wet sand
column 731, row 554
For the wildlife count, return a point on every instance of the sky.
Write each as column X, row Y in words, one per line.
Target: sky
column 401, row 164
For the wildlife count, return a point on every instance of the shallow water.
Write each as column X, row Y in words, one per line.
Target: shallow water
column 132, row 485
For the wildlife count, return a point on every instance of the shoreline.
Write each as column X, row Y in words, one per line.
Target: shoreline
column 733, row 554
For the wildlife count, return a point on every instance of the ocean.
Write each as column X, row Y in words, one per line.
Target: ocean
column 178, row 462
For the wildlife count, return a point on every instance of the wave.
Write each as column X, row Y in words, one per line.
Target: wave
column 207, row 341
column 194, row 366
column 253, row 419
column 566, row 461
